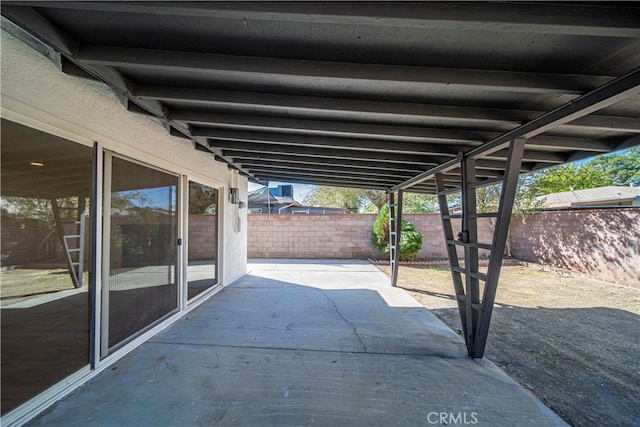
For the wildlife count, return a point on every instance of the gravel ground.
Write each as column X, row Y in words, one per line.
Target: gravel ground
column 573, row 342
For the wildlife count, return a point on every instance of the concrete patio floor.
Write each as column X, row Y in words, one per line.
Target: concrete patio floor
column 303, row 342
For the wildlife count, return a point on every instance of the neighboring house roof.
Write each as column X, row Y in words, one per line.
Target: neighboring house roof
column 317, row 210
column 262, row 196
column 601, row 196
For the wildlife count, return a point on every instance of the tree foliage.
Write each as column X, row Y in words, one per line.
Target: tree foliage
column 377, row 198
column 367, row 200
column 621, row 168
column 350, row 199
column 410, row 239
column 569, row 177
column 419, row 203
column 488, row 198
column 202, row 199
column 354, row 200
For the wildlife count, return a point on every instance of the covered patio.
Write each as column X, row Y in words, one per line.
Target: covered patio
column 438, row 98
column 303, row 342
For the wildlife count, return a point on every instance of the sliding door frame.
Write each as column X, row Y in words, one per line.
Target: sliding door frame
column 219, row 239
column 104, row 349
column 29, row 116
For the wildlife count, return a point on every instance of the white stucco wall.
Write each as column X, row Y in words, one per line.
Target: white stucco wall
column 35, row 92
column 235, row 225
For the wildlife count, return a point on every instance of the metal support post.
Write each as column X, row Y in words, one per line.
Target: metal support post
column 452, row 253
column 475, row 313
column 395, row 228
column 507, row 197
column 469, row 236
column 398, row 231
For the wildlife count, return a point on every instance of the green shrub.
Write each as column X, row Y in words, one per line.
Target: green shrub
column 410, row 239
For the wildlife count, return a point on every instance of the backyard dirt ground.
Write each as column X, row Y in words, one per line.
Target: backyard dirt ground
column 574, row 343
column 32, row 281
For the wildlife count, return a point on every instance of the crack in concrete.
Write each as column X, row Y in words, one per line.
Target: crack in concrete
column 462, row 354
column 355, row 331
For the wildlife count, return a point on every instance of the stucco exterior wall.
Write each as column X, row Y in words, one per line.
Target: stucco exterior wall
column 36, row 93
column 234, row 222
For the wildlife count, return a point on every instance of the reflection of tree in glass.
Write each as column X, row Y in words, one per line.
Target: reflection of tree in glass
column 40, row 212
column 124, row 201
column 202, row 199
column 143, row 230
column 138, row 234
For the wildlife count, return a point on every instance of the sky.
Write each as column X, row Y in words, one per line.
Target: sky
column 299, row 190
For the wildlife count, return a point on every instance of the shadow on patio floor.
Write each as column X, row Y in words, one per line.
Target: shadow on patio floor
column 302, row 343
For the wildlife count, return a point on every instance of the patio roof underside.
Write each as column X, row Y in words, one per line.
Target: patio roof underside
column 363, row 94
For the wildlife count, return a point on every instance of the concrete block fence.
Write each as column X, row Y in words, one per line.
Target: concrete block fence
column 310, row 236
column 601, row 243
column 340, row 236
column 202, row 237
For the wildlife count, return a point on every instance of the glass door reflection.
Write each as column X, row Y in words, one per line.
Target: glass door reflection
column 45, row 270
column 202, row 239
column 143, row 224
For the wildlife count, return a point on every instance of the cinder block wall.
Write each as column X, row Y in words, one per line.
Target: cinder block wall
column 433, row 246
column 601, row 243
column 310, row 236
column 202, row 237
column 340, row 236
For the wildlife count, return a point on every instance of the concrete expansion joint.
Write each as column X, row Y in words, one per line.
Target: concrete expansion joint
column 355, row 331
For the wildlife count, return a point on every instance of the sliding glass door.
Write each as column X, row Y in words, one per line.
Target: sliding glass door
column 55, row 194
column 202, row 239
column 46, row 212
column 140, row 250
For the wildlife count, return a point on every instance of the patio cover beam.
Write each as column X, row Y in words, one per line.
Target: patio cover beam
column 294, row 166
column 222, row 138
column 345, row 174
column 40, row 27
column 336, row 182
column 367, row 147
column 231, row 148
column 527, row 18
column 296, row 175
column 342, row 109
column 370, row 76
column 484, row 167
column 302, row 160
column 211, row 123
column 602, row 97
column 311, row 132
